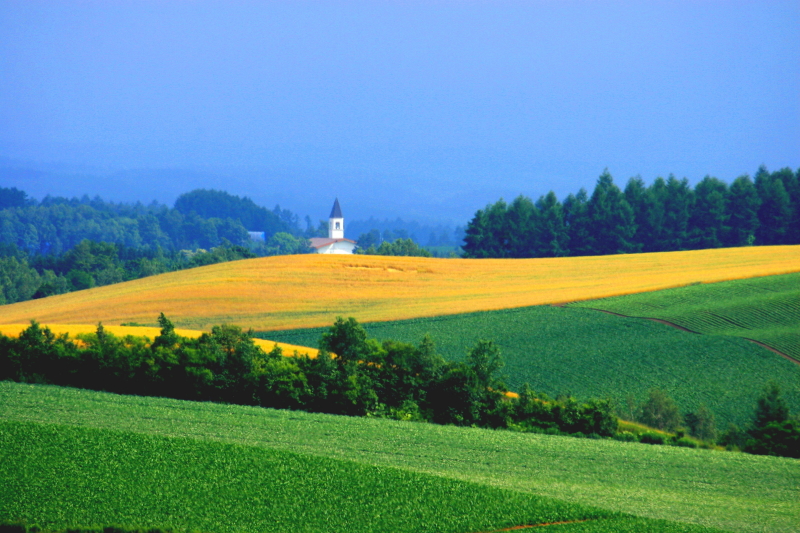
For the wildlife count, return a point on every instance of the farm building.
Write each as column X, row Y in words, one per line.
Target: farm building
column 334, row 243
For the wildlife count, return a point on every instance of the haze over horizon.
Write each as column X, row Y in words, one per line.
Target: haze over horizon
column 426, row 110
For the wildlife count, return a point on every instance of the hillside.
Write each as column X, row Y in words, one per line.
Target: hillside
column 254, row 462
column 307, row 291
column 221, row 487
column 589, row 354
column 764, row 309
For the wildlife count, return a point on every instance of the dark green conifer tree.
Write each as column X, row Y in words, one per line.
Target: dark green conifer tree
column 743, row 203
column 775, row 211
column 486, row 233
column 612, row 227
column 678, row 205
column 576, row 219
column 640, row 200
column 709, row 216
column 520, row 227
column 550, row 235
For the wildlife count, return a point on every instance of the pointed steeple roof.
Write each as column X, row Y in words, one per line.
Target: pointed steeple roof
column 336, row 212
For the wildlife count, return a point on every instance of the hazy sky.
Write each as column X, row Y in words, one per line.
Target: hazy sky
column 432, row 98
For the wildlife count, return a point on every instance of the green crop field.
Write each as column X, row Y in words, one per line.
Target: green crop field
column 62, row 476
column 68, row 457
column 590, row 354
column 765, row 309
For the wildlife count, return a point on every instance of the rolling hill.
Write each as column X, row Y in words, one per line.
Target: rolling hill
column 72, row 456
column 590, row 354
column 311, row 290
column 765, row 309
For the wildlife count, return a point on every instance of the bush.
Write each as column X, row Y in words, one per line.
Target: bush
column 651, row 438
column 13, row 527
column 685, row 442
column 776, row 438
column 625, row 436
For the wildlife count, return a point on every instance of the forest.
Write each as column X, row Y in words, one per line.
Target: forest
column 61, row 245
column 201, row 219
column 667, row 215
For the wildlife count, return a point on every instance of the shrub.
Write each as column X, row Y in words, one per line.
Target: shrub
column 13, row 527
column 685, row 442
column 651, row 438
column 625, row 436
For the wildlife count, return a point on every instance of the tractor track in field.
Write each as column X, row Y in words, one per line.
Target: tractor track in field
column 676, row 326
column 546, row 524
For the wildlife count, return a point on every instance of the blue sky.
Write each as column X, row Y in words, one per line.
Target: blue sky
column 439, row 106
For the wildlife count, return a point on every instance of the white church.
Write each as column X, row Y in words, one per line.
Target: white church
column 335, row 243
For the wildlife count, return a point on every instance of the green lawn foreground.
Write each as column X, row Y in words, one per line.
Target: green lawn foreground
column 596, row 355
column 765, row 309
column 730, row 491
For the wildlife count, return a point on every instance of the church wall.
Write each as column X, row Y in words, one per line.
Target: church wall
column 341, row 247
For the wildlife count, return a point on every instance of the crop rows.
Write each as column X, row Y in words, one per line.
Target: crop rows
column 731, row 491
column 596, row 355
column 765, row 309
column 62, row 476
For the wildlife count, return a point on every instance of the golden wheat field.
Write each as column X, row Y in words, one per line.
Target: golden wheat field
column 13, row 330
column 284, row 292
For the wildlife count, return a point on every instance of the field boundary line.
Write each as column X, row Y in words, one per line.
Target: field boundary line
column 770, row 348
column 676, row 326
column 545, row 524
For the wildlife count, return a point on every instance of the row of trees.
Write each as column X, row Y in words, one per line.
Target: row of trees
column 772, row 431
column 364, row 378
column 376, row 231
column 668, row 215
column 397, row 247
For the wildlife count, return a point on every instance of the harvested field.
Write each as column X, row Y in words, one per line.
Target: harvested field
column 285, row 292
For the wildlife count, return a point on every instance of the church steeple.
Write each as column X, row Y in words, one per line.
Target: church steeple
column 336, row 222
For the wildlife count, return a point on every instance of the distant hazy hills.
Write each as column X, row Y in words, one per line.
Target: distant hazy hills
column 361, row 196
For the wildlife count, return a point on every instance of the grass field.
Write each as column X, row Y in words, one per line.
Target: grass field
column 73, row 330
column 764, row 309
column 146, row 451
column 286, row 292
column 594, row 355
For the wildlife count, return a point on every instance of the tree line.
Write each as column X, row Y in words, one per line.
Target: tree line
column 772, row 431
column 61, row 245
column 94, row 264
column 200, row 220
column 667, row 215
column 376, row 231
column 405, row 247
column 365, row 378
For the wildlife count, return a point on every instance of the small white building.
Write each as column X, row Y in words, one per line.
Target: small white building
column 335, row 243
